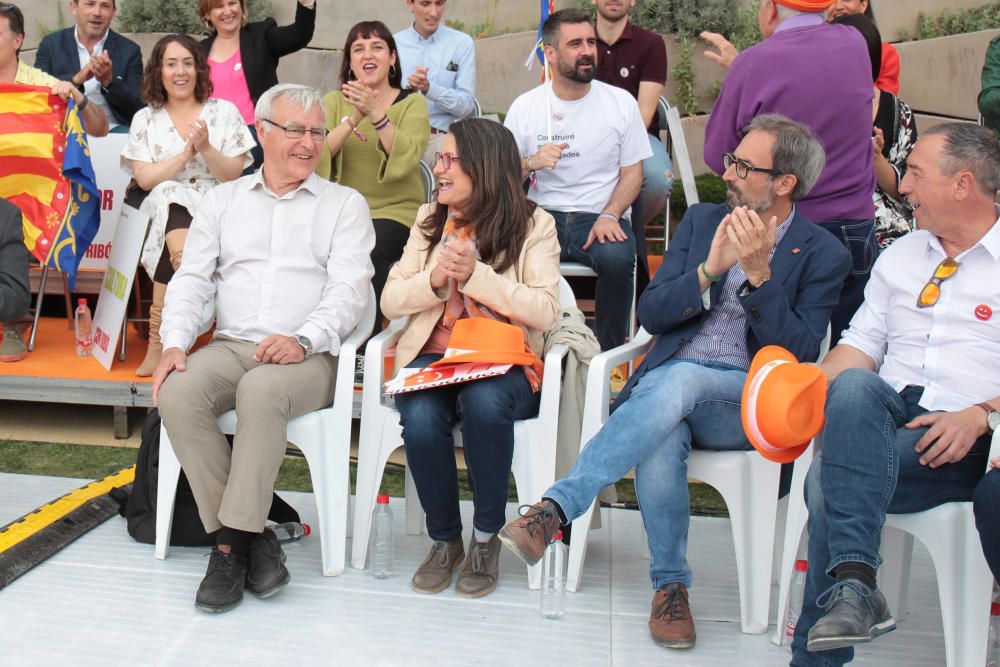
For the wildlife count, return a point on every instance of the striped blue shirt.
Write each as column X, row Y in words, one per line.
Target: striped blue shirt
column 722, row 337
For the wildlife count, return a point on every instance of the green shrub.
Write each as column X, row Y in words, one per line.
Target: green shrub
column 958, row 22
column 711, row 189
column 682, row 76
column 736, row 19
column 174, row 15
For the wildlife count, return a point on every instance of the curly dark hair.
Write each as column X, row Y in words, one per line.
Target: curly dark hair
column 369, row 30
column 153, row 93
column 498, row 207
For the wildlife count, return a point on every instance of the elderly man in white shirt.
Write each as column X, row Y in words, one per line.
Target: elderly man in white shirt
column 285, row 254
column 915, row 389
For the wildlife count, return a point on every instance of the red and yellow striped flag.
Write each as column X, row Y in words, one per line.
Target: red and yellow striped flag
column 45, row 171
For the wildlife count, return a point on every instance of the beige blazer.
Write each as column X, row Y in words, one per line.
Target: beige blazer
column 527, row 293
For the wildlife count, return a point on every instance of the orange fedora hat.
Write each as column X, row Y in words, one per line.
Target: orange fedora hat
column 783, row 403
column 481, row 339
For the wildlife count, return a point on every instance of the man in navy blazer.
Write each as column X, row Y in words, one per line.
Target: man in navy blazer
column 737, row 277
column 104, row 65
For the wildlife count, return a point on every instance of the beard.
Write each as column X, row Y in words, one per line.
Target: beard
column 734, row 198
column 575, row 73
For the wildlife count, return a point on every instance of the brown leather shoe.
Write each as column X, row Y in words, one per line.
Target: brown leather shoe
column 481, row 569
column 434, row 574
column 670, row 620
column 530, row 533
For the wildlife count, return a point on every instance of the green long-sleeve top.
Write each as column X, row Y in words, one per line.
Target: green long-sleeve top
column 389, row 182
column 989, row 96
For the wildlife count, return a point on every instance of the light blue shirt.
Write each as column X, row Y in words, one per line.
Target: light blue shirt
column 450, row 59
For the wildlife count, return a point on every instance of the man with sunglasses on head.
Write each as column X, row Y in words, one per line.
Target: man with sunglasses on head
column 286, row 257
column 914, row 393
column 737, row 277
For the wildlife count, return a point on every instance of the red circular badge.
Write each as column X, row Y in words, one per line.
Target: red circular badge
column 983, row 312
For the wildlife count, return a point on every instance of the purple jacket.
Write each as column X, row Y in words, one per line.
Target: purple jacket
column 818, row 74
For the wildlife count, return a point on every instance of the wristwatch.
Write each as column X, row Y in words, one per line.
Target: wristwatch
column 992, row 416
column 304, row 342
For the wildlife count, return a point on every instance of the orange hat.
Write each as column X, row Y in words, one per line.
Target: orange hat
column 783, row 403
column 486, row 340
column 806, row 5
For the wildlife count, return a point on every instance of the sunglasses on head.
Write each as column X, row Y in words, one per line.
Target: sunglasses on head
column 931, row 292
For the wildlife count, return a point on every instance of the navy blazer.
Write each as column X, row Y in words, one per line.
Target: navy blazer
column 263, row 43
column 792, row 309
column 58, row 55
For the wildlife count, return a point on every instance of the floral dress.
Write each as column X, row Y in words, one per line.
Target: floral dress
column 894, row 217
column 153, row 138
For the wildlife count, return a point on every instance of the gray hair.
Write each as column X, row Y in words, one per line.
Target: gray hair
column 971, row 148
column 784, row 12
column 797, row 150
column 305, row 97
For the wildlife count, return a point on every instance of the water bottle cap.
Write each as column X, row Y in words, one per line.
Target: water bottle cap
column 306, row 530
column 558, row 536
column 383, row 499
column 801, row 566
column 995, row 609
column 81, row 302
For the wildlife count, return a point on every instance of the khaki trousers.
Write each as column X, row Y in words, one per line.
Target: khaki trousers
column 233, row 487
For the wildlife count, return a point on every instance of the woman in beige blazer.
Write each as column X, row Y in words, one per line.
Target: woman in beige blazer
column 482, row 248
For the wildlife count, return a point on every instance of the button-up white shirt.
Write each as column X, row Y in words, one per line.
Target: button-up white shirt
column 92, row 87
column 952, row 349
column 295, row 264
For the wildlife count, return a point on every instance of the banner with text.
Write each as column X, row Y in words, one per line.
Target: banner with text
column 105, row 155
column 130, row 232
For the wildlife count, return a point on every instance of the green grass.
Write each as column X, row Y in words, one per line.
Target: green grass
column 89, row 462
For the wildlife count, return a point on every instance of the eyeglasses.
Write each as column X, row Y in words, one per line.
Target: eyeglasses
column 317, row 133
column 931, row 292
column 743, row 168
column 445, row 159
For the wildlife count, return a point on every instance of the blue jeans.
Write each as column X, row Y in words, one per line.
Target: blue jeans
column 487, row 409
column 614, row 263
column 868, row 467
column 858, row 236
column 671, row 406
column 657, row 182
column 986, row 505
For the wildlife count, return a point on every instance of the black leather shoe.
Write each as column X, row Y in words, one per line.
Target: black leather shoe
column 222, row 587
column 267, row 573
column 855, row 614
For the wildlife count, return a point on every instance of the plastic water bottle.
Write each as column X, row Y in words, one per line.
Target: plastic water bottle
column 291, row 531
column 993, row 648
column 553, row 591
column 380, row 548
column 84, row 329
column 795, row 597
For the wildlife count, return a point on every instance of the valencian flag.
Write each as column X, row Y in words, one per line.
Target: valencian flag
column 45, row 171
column 545, row 7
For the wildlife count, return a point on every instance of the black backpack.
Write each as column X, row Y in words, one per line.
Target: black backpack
column 139, row 507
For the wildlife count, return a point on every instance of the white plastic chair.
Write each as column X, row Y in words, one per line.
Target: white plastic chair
column 323, row 437
column 578, row 270
column 965, row 583
column 427, row 180
column 670, row 122
column 534, row 440
column 746, row 480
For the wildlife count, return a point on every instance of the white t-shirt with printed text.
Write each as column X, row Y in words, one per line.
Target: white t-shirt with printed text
column 604, row 131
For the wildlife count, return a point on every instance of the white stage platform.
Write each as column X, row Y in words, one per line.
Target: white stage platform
column 104, row 600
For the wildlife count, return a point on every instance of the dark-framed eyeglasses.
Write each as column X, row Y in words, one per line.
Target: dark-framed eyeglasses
column 743, row 168
column 445, row 160
column 317, row 133
column 931, row 292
